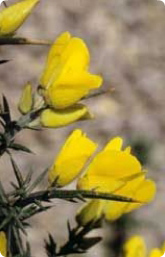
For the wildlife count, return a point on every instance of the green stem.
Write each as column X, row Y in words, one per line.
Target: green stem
column 70, row 195
column 22, row 123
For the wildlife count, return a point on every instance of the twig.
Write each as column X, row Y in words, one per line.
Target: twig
column 22, row 41
column 70, row 194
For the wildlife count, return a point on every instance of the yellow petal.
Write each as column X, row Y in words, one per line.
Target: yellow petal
column 71, row 90
column 65, row 79
column 65, row 54
column 3, row 244
column 72, row 158
column 114, row 164
column 59, row 118
column 99, row 183
column 90, row 212
column 12, row 17
column 59, row 45
column 113, row 210
column 26, row 100
column 53, row 59
column 135, row 247
column 114, row 144
column 145, row 194
column 128, row 149
column 156, row 253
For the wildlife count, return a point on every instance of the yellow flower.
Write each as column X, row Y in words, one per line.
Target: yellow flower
column 12, row 17
column 135, row 247
column 3, row 244
column 156, row 253
column 72, row 158
column 117, row 171
column 59, row 118
column 26, row 101
column 66, row 78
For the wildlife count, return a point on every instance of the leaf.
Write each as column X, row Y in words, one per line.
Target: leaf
column 87, row 243
column 3, row 195
column 38, row 180
column 17, row 173
column 4, row 61
column 28, row 178
column 19, row 147
column 6, row 111
column 50, row 247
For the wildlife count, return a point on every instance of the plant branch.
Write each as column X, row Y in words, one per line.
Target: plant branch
column 22, row 41
column 47, row 195
column 15, row 127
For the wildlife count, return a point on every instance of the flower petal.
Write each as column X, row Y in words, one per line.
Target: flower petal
column 135, row 247
column 12, row 17
column 73, row 156
column 58, row 118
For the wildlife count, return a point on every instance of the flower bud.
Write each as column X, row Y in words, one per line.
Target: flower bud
column 90, row 212
column 26, row 101
column 3, row 244
column 12, row 17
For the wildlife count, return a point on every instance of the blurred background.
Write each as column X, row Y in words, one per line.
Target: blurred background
column 126, row 42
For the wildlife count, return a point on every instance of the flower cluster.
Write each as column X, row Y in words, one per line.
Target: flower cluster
column 135, row 246
column 65, row 81
column 113, row 178
column 112, row 170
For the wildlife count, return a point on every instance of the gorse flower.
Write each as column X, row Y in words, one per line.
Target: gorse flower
column 65, row 81
column 12, row 17
column 72, row 158
column 116, row 171
column 135, row 247
column 3, row 244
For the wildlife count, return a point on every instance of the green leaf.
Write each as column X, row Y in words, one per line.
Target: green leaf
column 87, row 243
column 50, row 247
column 38, row 180
column 19, row 147
column 17, row 173
column 6, row 111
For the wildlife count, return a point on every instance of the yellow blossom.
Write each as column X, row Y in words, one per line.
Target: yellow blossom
column 156, row 253
column 117, row 171
column 58, row 118
column 26, row 101
column 3, row 244
column 12, row 17
column 72, row 158
column 135, row 247
column 66, row 78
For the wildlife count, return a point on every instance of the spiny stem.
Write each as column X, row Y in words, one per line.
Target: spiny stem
column 19, row 125
column 70, row 194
